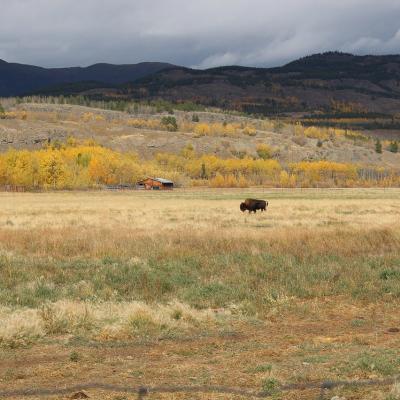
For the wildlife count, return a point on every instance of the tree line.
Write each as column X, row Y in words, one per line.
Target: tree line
column 86, row 164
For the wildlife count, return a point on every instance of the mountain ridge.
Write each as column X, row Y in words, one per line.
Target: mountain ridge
column 367, row 84
column 317, row 83
column 20, row 79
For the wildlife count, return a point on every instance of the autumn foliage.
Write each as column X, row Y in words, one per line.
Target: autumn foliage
column 74, row 165
column 67, row 166
column 85, row 164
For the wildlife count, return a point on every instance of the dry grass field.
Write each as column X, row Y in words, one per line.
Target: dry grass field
column 182, row 288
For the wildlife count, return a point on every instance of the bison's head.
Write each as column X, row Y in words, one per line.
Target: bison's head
column 243, row 207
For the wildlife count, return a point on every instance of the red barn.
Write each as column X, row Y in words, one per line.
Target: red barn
column 155, row 184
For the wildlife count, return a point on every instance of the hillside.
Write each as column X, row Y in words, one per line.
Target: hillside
column 20, row 79
column 30, row 126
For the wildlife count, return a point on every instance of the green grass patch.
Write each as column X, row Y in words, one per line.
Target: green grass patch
column 254, row 282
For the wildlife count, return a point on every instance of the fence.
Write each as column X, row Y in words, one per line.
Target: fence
column 12, row 188
column 323, row 389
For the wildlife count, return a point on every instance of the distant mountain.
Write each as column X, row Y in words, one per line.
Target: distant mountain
column 344, row 65
column 322, row 82
column 328, row 83
column 20, row 79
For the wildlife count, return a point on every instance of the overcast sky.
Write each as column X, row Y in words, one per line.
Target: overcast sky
column 195, row 33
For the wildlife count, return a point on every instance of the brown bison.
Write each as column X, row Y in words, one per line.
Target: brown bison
column 252, row 205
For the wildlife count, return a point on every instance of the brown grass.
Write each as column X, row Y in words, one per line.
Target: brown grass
column 299, row 222
column 182, row 288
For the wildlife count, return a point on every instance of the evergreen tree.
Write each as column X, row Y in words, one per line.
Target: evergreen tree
column 203, row 171
column 378, row 146
column 170, row 123
column 394, row 147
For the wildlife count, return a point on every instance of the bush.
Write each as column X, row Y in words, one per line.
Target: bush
column 264, row 151
column 202, row 130
column 393, row 147
column 169, row 123
column 270, row 385
column 378, row 146
column 241, row 154
column 250, row 131
column 74, row 356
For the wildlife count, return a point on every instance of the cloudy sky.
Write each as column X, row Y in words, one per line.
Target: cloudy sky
column 195, row 33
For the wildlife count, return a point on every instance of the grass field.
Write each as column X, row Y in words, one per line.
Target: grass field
column 182, row 288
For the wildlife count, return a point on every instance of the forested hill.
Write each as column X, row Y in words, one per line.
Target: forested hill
column 329, row 83
column 20, row 79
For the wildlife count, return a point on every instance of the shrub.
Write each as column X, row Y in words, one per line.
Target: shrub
column 239, row 154
column 8, row 115
column 74, row 356
column 250, row 131
column 187, row 151
column 378, row 146
column 315, row 133
column 264, row 151
column 393, row 147
column 270, row 385
column 202, row 130
column 169, row 123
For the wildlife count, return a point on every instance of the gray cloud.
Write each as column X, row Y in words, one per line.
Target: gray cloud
column 204, row 33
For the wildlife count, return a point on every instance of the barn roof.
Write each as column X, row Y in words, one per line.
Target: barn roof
column 161, row 180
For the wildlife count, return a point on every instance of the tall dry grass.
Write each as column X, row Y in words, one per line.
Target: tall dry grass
column 127, row 243
column 104, row 321
column 99, row 254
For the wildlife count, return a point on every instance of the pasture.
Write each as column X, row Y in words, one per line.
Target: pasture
column 182, row 288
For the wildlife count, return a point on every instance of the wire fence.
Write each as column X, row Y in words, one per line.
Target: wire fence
column 323, row 389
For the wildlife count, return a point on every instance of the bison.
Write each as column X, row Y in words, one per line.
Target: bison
column 252, row 205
